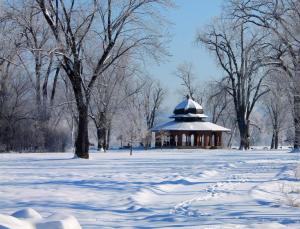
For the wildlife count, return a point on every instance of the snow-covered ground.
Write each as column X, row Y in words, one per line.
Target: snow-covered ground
column 157, row 189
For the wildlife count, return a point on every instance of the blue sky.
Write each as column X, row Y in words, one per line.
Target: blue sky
column 189, row 17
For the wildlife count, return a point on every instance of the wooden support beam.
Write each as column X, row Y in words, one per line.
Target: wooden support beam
column 179, row 140
column 220, row 139
column 205, row 140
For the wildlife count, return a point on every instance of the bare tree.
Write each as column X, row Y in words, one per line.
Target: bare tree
column 277, row 105
column 240, row 53
column 217, row 100
column 220, row 109
column 14, row 111
column 42, row 69
column 281, row 19
column 113, row 28
column 108, row 98
column 133, row 128
column 152, row 98
column 13, row 90
column 189, row 82
column 34, row 48
column 27, row 76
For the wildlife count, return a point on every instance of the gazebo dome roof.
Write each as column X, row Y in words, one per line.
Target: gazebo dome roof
column 188, row 117
column 189, row 126
column 188, row 106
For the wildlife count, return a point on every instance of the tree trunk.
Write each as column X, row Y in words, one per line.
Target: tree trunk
column 297, row 105
column 244, row 134
column 108, row 133
column 297, row 121
column 229, row 143
column 273, row 140
column 82, row 140
column 276, row 137
column 148, row 140
column 38, row 86
column 131, row 145
column 101, row 135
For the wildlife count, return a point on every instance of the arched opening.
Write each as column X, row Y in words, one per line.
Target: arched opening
column 183, row 140
column 213, row 140
column 188, row 140
column 192, row 139
column 201, row 140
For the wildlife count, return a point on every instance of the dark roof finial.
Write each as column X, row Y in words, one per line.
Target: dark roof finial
column 187, row 97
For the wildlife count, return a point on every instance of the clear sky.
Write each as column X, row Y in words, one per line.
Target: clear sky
column 189, row 17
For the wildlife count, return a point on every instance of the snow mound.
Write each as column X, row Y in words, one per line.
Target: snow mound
column 277, row 193
column 209, row 173
column 59, row 222
column 295, row 150
column 10, row 222
column 27, row 213
column 252, row 226
column 31, row 219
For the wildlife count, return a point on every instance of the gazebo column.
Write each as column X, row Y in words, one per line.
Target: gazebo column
column 220, row 139
column 179, row 137
column 158, row 139
column 214, row 139
column 196, row 140
column 172, row 139
column 201, row 140
column 175, row 139
column 206, row 140
column 186, row 139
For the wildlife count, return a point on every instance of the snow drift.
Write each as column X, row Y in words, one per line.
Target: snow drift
column 31, row 219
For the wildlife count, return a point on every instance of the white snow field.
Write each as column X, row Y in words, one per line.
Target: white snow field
column 151, row 189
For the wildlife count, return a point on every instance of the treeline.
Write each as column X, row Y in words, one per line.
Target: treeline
column 73, row 69
column 256, row 45
column 67, row 67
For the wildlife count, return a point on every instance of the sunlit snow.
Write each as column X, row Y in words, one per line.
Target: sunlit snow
column 153, row 189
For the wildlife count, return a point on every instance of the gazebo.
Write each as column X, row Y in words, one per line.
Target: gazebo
column 188, row 129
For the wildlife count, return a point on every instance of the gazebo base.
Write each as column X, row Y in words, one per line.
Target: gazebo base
column 189, row 139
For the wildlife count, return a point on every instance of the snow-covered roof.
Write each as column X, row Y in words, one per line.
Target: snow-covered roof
column 188, row 109
column 188, row 104
column 189, row 117
column 189, row 126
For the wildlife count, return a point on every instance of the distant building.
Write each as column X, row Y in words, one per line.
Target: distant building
column 188, row 129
